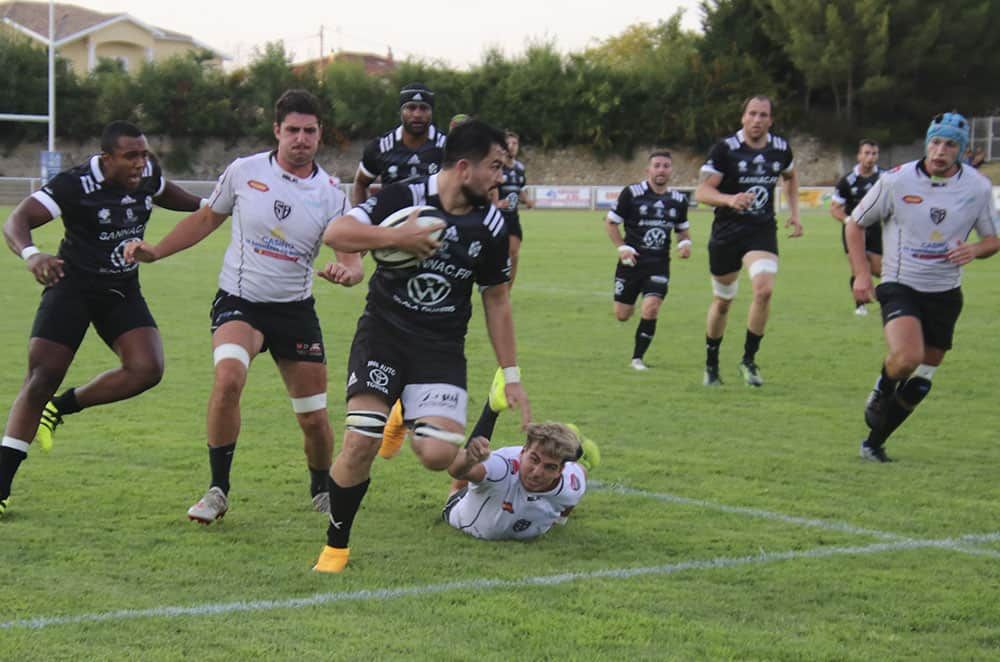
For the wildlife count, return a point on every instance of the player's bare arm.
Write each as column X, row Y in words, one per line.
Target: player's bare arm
column 838, row 212
column 626, row 254
column 188, row 232
column 684, row 244
column 964, row 253
column 500, row 326
column 347, row 270
column 467, row 464
column 708, row 193
column 350, row 235
column 359, row 189
column 854, row 235
column 791, row 181
column 175, row 198
column 47, row 269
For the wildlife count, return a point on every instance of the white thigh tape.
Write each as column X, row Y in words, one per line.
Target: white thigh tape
column 367, row 423
column 925, row 371
column 423, row 430
column 309, row 403
column 725, row 291
column 231, row 351
column 765, row 266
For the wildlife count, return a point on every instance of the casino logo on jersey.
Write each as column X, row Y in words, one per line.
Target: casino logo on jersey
column 938, row 215
column 282, row 210
column 428, row 289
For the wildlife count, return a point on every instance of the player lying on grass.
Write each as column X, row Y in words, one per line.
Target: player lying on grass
column 517, row 491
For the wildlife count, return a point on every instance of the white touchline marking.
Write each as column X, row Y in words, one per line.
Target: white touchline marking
column 380, row 595
column 830, row 525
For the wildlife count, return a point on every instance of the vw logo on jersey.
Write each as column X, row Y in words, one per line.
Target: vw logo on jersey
column 938, row 215
column 118, row 256
column 428, row 289
column 655, row 238
column 760, row 198
column 282, row 210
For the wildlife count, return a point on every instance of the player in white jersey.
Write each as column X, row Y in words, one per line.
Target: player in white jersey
column 517, row 491
column 281, row 203
column 927, row 208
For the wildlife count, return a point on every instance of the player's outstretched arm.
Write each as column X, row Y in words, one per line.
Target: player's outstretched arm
column 500, row 326
column 468, row 464
column 30, row 213
column 175, row 198
column 188, row 232
column 347, row 270
column 791, row 180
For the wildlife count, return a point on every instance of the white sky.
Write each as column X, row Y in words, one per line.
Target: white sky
column 454, row 31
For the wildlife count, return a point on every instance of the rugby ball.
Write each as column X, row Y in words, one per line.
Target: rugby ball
column 393, row 258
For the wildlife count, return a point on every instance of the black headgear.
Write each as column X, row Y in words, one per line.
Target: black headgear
column 416, row 92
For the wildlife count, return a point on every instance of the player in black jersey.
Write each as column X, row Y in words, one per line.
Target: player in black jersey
column 413, row 149
column 409, row 343
column 850, row 189
column 649, row 211
column 105, row 203
column 509, row 196
column 739, row 180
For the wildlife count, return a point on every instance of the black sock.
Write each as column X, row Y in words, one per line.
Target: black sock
column 66, row 403
column 10, row 460
column 643, row 336
column 886, row 384
column 220, row 458
column 712, row 351
column 750, row 346
column 487, row 421
column 899, row 406
column 344, row 505
column 318, row 481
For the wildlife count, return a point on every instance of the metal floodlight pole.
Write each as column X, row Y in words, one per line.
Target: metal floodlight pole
column 52, row 77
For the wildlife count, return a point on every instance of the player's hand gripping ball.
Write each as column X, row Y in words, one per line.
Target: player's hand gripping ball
column 395, row 258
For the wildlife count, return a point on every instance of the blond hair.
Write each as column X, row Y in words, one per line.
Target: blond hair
column 553, row 439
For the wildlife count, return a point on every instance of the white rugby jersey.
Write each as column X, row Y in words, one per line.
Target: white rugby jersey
column 500, row 507
column 922, row 219
column 277, row 227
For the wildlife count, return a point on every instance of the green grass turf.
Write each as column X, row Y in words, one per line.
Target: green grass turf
column 99, row 524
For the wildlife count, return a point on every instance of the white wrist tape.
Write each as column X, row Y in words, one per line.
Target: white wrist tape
column 28, row 251
column 683, row 243
column 626, row 247
column 512, row 375
column 203, row 203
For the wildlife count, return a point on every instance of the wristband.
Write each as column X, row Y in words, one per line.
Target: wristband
column 684, row 243
column 512, row 375
column 28, row 251
column 203, row 203
column 624, row 247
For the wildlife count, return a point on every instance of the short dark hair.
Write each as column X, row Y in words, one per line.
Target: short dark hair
column 867, row 141
column 511, row 134
column 115, row 130
column 660, row 152
column 296, row 101
column 758, row 97
column 471, row 140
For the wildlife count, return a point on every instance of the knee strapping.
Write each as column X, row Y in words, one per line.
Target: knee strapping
column 723, row 291
column 309, row 403
column 765, row 266
column 366, row 423
column 231, row 351
column 423, row 430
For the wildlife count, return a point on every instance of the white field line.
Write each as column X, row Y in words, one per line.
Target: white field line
column 386, row 594
column 830, row 525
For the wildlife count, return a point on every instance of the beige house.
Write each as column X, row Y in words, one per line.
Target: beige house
column 83, row 36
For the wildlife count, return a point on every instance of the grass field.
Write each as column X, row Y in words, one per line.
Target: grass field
column 727, row 524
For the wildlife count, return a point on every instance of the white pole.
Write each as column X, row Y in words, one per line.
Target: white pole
column 52, row 77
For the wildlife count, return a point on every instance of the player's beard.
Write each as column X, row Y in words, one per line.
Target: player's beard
column 475, row 198
column 409, row 128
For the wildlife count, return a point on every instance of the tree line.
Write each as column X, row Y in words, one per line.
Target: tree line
column 840, row 69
